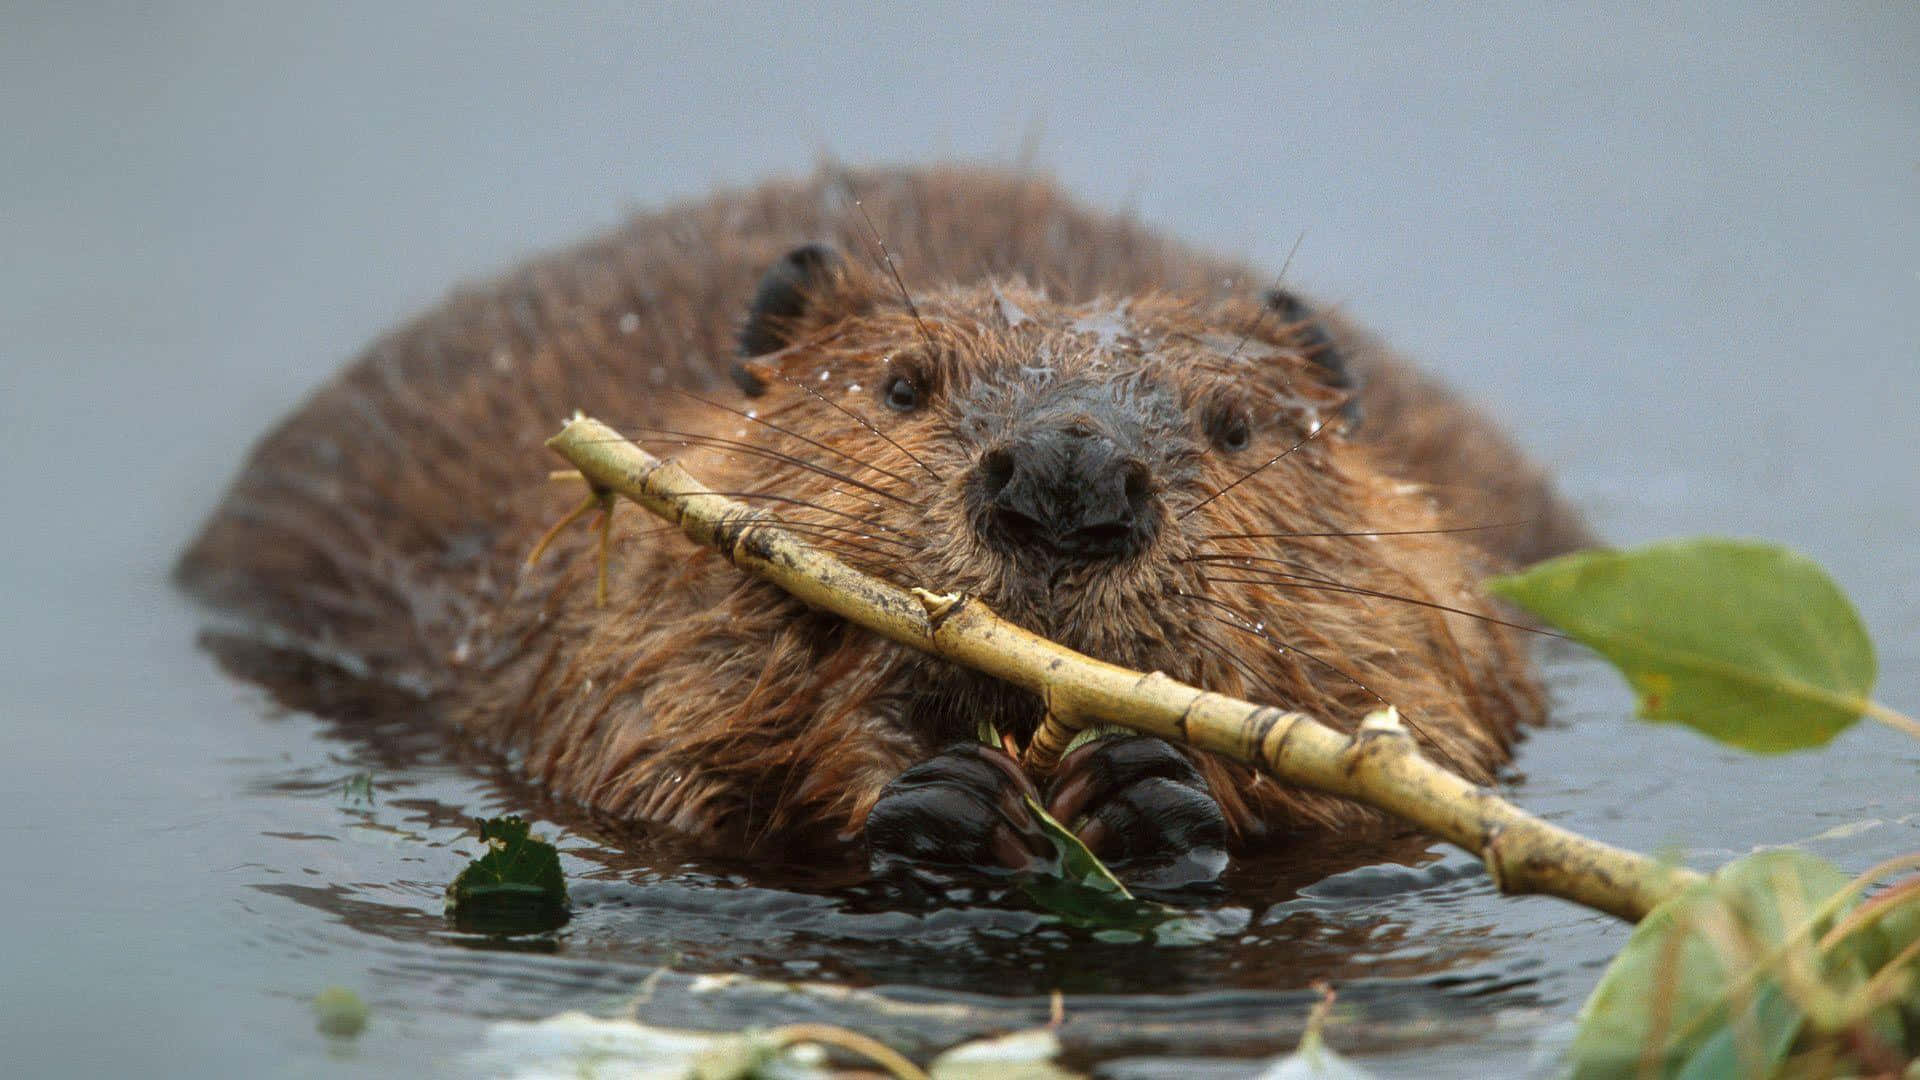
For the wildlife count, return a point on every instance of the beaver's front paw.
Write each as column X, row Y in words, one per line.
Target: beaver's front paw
column 1143, row 808
column 965, row 808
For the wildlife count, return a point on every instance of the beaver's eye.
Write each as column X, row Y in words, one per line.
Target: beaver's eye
column 902, row 395
column 1231, row 430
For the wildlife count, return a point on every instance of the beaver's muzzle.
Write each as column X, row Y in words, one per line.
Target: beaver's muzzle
column 1071, row 488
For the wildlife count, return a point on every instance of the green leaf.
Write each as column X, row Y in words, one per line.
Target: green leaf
column 517, row 887
column 1083, row 892
column 1729, row 1052
column 1749, row 643
column 1078, row 864
column 1695, row 993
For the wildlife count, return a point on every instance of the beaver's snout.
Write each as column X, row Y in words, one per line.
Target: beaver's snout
column 1070, row 489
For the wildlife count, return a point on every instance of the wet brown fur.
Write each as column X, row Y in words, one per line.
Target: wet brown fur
column 384, row 524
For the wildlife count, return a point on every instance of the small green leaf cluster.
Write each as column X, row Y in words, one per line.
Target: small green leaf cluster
column 515, row 887
column 1772, row 968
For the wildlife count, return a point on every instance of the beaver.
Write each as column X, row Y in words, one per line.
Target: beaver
column 954, row 378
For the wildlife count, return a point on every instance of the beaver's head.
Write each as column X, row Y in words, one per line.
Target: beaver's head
column 1083, row 468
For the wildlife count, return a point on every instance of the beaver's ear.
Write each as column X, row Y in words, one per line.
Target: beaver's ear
column 1319, row 346
column 785, row 292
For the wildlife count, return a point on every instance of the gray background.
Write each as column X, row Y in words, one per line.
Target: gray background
column 1675, row 248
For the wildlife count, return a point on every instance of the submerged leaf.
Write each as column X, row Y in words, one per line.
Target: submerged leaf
column 1749, row 643
column 516, row 887
column 1086, row 893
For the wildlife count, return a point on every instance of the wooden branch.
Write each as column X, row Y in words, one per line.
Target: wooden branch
column 1379, row 765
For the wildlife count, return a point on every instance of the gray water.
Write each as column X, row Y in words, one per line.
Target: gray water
column 1678, row 251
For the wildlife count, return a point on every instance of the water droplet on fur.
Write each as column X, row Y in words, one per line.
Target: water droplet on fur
column 853, row 388
column 825, row 375
column 629, row 323
column 753, row 414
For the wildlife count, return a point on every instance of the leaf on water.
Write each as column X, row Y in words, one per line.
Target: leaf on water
column 574, row 1044
column 1748, row 643
column 1732, row 978
column 357, row 790
column 1085, row 893
column 1314, row 1059
column 1023, row 1055
column 339, row 1012
column 516, row 887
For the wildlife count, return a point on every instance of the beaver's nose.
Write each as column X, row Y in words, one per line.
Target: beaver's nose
column 1070, row 489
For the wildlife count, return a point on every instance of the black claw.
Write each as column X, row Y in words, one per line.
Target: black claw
column 964, row 808
column 1142, row 806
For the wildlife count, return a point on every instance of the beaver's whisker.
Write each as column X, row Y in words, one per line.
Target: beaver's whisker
column 791, row 434
column 1279, row 580
column 1247, row 625
column 862, row 421
column 1299, row 571
column 1259, row 630
column 1220, row 652
column 1211, row 537
column 694, row 438
column 1318, row 427
column 887, row 258
column 1231, row 558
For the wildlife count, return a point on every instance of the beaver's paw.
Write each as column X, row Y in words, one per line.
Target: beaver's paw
column 1143, row 808
column 965, row 808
